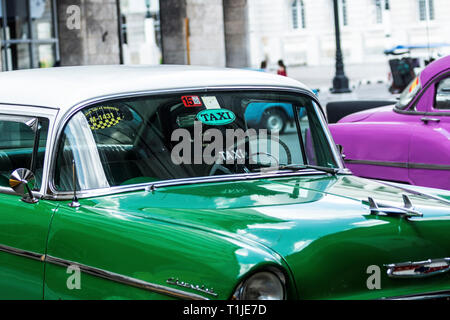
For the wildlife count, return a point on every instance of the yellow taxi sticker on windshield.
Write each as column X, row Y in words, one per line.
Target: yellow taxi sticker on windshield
column 103, row 117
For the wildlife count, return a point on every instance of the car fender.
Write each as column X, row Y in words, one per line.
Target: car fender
column 150, row 251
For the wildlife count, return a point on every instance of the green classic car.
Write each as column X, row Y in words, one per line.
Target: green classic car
column 121, row 182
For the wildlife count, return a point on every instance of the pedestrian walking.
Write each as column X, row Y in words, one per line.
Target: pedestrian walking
column 263, row 66
column 281, row 68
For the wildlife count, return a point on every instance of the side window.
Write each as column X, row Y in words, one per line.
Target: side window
column 103, row 136
column 315, row 141
column 17, row 146
column 443, row 95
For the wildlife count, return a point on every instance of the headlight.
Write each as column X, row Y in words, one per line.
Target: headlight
column 261, row 286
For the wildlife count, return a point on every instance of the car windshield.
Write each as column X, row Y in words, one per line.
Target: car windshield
column 409, row 93
column 192, row 134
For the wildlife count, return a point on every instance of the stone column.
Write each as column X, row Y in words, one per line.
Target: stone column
column 236, row 33
column 206, row 32
column 95, row 39
column 173, row 33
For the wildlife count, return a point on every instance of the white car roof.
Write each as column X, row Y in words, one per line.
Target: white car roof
column 64, row 87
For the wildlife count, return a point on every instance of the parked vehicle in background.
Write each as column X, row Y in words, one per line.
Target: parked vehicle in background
column 336, row 110
column 271, row 116
column 409, row 60
column 408, row 142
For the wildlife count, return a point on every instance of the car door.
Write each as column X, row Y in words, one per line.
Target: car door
column 24, row 225
column 429, row 158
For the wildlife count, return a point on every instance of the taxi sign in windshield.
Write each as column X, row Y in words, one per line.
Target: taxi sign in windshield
column 216, row 117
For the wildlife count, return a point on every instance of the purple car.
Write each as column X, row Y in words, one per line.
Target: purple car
column 408, row 142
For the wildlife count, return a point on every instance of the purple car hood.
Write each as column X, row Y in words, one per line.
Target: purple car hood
column 376, row 114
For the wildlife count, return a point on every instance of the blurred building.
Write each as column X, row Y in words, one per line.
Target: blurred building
column 233, row 33
column 205, row 32
column 28, row 34
column 47, row 33
column 302, row 31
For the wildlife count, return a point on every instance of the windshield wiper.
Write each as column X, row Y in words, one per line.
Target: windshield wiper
column 298, row 167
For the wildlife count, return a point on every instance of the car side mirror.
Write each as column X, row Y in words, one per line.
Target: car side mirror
column 341, row 150
column 22, row 182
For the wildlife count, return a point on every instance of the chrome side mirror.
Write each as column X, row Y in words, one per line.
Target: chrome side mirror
column 22, row 182
column 341, row 150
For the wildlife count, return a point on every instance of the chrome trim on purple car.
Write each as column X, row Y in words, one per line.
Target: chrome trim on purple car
column 413, row 112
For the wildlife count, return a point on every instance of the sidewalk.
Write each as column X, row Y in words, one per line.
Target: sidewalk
column 374, row 91
column 367, row 82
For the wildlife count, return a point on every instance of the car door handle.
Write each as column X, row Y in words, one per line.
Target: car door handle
column 426, row 120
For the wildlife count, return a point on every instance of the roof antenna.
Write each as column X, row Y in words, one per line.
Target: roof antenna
column 74, row 203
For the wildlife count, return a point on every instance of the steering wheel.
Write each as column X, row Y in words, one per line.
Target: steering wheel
column 223, row 167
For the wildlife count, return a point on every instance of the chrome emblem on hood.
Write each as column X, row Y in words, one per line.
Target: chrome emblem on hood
column 407, row 211
column 183, row 284
column 418, row 269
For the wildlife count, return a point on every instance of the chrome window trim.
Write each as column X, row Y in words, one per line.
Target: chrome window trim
column 333, row 148
column 39, row 112
column 151, row 186
column 52, row 193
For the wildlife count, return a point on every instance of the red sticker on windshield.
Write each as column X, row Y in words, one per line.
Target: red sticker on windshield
column 191, row 101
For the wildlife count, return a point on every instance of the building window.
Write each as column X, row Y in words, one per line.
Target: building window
column 426, row 10
column 28, row 34
column 298, row 14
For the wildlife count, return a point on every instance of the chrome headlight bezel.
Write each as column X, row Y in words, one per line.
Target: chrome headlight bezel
column 274, row 275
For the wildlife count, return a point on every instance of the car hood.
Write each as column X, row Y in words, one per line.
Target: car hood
column 317, row 224
column 375, row 114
